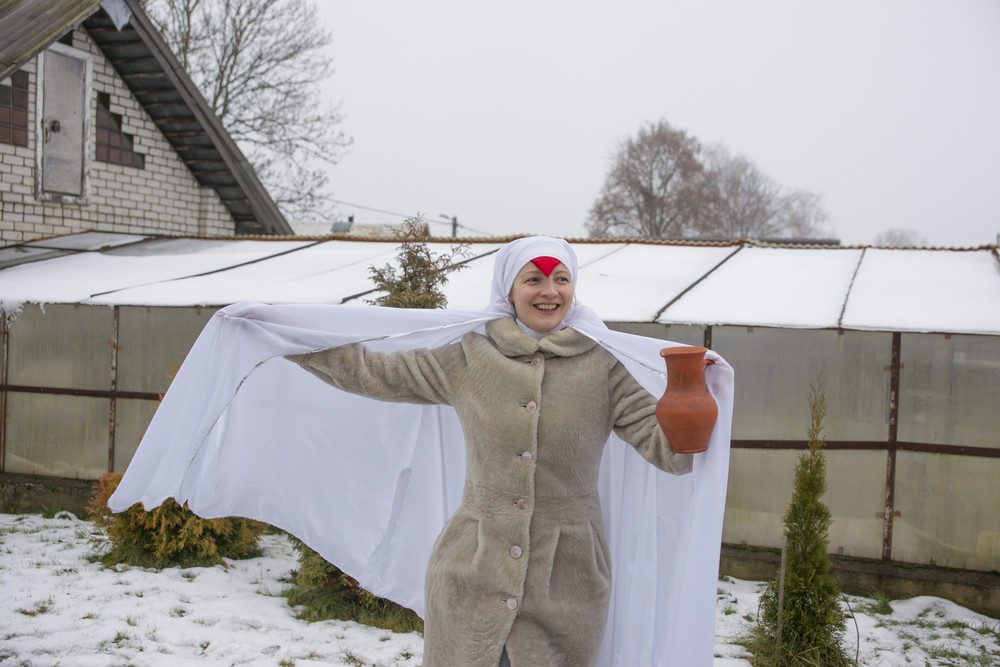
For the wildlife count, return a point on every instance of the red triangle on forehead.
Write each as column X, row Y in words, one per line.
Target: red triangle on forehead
column 546, row 264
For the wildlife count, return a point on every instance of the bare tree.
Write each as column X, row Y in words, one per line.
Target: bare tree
column 900, row 238
column 654, row 186
column 747, row 201
column 802, row 215
column 259, row 64
column 662, row 184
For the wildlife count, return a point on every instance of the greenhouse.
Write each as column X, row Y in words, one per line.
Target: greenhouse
column 903, row 343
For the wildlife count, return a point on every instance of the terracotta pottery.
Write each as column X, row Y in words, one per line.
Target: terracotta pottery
column 686, row 411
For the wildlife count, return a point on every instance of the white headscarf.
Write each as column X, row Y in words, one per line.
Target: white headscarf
column 369, row 485
column 511, row 258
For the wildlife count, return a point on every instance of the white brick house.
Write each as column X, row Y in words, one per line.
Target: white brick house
column 100, row 129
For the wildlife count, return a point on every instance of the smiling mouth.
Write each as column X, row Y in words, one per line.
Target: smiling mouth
column 547, row 306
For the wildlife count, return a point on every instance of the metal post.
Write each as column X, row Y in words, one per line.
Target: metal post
column 3, row 387
column 890, row 463
column 113, row 407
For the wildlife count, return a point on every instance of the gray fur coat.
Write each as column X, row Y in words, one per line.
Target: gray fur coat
column 523, row 562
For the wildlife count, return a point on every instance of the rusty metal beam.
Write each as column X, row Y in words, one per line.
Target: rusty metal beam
column 113, row 403
column 94, row 393
column 4, row 347
column 890, row 459
column 925, row 447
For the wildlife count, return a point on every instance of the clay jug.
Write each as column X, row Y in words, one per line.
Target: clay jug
column 686, row 411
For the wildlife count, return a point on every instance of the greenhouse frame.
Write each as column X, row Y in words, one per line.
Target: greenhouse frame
column 903, row 343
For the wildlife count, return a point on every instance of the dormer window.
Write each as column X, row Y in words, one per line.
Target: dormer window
column 14, row 109
column 114, row 145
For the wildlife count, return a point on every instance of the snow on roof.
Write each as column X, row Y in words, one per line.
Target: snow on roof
column 927, row 290
column 780, row 287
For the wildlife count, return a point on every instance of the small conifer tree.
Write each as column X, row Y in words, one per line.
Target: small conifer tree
column 803, row 624
column 322, row 590
column 419, row 277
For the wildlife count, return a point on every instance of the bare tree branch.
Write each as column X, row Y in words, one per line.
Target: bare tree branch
column 259, row 64
column 652, row 188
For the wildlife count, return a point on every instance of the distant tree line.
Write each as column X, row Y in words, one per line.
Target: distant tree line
column 663, row 184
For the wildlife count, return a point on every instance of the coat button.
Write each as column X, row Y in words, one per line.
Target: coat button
column 515, row 552
column 512, row 603
column 522, row 503
column 531, row 406
column 535, row 362
column 527, row 457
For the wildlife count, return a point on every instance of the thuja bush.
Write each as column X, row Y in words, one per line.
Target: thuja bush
column 324, row 591
column 803, row 624
column 416, row 279
column 169, row 535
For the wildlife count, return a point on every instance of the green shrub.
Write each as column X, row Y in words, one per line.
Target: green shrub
column 805, row 627
column 418, row 279
column 169, row 535
column 323, row 591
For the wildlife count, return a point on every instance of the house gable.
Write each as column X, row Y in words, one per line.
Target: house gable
column 154, row 158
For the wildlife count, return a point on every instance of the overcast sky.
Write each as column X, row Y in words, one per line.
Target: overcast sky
column 506, row 115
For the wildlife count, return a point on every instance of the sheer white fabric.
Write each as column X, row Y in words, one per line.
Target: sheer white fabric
column 369, row 484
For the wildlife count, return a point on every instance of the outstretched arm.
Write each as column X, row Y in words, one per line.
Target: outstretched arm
column 410, row 376
column 634, row 413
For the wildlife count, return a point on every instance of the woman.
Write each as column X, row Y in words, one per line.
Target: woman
column 522, row 562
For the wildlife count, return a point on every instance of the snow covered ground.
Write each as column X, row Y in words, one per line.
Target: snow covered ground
column 57, row 608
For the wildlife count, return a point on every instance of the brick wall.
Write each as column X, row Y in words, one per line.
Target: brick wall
column 163, row 197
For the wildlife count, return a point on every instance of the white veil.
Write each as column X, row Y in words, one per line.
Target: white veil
column 369, row 484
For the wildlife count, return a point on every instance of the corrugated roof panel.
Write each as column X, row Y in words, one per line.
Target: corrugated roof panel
column 950, row 291
column 76, row 278
column 314, row 273
column 633, row 283
column 779, row 287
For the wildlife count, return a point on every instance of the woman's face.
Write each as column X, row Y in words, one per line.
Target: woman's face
column 542, row 301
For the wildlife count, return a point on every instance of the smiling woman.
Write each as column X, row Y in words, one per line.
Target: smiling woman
column 542, row 294
column 537, row 400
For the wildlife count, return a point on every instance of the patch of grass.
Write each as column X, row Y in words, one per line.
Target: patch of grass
column 988, row 630
column 178, row 612
column 286, row 662
column 351, row 659
column 56, row 512
column 41, row 607
column 877, row 604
